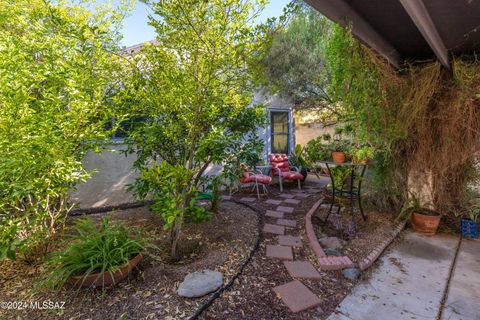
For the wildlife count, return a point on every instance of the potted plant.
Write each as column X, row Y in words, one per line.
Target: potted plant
column 96, row 257
column 339, row 151
column 469, row 224
column 298, row 159
column 423, row 219
column 363, row 154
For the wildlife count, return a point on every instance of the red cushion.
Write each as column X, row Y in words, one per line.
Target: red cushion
column 292, row 175
column 279, row 161
column 261, row 178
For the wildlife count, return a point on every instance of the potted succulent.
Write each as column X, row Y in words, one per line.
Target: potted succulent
column 469, row 224
column 423, row 219
column 95, row 256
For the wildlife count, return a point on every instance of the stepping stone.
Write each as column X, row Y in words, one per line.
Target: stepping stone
column 297, row 296
column 297, row 191
column 286, row 196
column 287, row 223
column 273, row 228
column 292, row 201
column 224, row 197
column 302, row 269
column 285, row 209
column 280, row 252
column 275, row 202
column 302, row 195
column 274, row 214
column 290, row 241
column 247, row 199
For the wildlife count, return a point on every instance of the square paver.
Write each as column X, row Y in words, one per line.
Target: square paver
column 273, row 228
column 279, row 252
column 302, row 269
column 292, row 201
column 284, row 209
column 225, row 197
column 302, row 195
column 272, row 201
column 286, row 196
column 274, row 214
column 290, row 241
column 287, row 223
column 247, row 199
column 297, row 296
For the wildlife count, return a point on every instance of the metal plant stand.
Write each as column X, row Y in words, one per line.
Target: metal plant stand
column 347, row 190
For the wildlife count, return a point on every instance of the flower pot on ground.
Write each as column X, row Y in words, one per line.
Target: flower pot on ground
column 105, row 279
column 96, row 256
column 425, row 221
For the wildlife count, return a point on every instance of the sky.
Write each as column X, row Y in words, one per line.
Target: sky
column 136, row 29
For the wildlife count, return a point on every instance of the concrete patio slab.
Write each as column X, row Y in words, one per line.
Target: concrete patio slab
column 272, row 201
column 290, row 241
column 463, row 300
column 273, row 228
column 408, row 284
column 292, row 201
column 302, row 269
column 297, row 296
column 279, row 252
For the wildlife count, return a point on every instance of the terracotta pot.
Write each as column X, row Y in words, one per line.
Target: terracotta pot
column 105, row 279
column 338, row 156
column 426, row 224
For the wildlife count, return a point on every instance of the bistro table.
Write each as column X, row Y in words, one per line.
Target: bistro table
column 348, row 190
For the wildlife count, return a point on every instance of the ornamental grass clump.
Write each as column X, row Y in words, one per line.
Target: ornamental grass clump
column 94, row 250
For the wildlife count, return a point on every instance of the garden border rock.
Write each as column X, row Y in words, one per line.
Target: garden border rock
column 254, row 250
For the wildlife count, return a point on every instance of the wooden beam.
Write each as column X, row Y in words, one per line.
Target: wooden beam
column 419, row 14
column 340, row 12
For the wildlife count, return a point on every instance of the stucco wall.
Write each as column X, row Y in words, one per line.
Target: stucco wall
column 307, row 132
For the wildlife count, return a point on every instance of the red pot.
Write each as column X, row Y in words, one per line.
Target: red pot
column 426, row 224
column 105, row 279
column 338, row 156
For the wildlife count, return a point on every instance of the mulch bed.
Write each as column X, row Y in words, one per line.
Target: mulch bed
column 378, row 227
column 221, row 244
column 252, row 297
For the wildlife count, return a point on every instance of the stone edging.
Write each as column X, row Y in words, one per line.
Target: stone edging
column 377, row 251
column 339, row 263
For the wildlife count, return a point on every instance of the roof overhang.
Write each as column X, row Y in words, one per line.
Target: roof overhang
column 409, row 30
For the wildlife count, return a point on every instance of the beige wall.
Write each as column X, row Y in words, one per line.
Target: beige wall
column 307, row 132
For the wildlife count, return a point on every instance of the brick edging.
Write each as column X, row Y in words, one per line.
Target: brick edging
column 342, row 262
column 377, row 251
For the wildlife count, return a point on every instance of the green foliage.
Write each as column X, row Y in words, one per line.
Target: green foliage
column 56, row 93
column 197, row 86
column 92, row 250
column 362, row 154
column 298, row 157
column 339, row 173
column 295, row 64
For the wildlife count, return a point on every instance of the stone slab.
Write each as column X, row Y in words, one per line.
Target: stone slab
column 408, row 284
column 284, row 209
column 287, row 223
column 272, row 201
column 302, row 269
column 273, row 228
column 247, row 199
column 296, row 296
column 302, row 195
column 286, row 196
column 279, row 252
column 290, row 241
column 274, row 214
column 292, row 201
column 463, row 300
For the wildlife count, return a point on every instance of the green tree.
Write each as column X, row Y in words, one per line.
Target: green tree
column 56, row 93
column 295, row 64
column 194, row 84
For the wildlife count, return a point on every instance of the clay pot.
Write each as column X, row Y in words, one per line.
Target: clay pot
column 425, row 223
column 105, row 279
column 338, row 156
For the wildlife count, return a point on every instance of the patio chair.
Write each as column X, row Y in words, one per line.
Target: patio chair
column 249, row 176
column 282, row 168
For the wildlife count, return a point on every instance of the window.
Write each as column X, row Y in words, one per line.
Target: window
column 279, row 131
